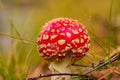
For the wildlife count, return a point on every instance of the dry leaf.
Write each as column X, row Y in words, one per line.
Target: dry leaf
column 113, row 72
column 41, row 69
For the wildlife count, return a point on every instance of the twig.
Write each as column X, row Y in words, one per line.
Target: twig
column 91, row 66
column 112, row 59
column 48, row 75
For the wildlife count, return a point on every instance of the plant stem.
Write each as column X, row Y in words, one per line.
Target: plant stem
column 21, row 39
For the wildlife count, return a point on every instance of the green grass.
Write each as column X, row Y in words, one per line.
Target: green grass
column 22, row 56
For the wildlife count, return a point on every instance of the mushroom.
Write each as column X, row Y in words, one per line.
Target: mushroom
column 63, row 41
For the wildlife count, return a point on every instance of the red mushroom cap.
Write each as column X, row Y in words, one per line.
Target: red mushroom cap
column 61, row 35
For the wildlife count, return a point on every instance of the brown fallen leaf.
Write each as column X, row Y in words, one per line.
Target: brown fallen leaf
column 41, row 69
column 1, row 78
column 112, row 73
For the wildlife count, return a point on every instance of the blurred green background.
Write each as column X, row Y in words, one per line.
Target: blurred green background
column 24, row 19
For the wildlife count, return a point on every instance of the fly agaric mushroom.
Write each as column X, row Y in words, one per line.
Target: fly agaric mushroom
column 62, row 41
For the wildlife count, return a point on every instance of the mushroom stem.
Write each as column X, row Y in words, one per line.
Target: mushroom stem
column 63, row 66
